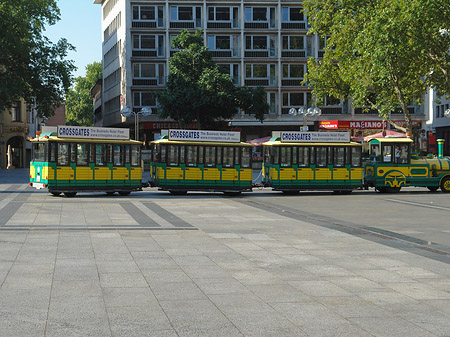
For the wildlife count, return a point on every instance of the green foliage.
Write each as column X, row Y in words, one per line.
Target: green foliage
column 31, row 65
column 79, row 108
column 197, row 91
column 379, row 52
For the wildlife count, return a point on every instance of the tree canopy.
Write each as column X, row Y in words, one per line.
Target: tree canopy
column 30, row 64
column 79, row 107
column 381, row 54
column 197, row 91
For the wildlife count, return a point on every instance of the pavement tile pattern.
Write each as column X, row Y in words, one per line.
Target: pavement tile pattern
column 202, row 266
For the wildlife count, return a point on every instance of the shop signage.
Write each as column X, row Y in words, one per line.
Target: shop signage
column 92, row 132
column 335, row 125
column 314, row 137
column 165, row 125
column 205, row 136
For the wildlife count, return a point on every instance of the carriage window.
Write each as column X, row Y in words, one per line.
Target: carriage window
column 210, row 156
column 118, row 158
column 387, row 153
column 228, row 156
column 39, row 152
column 401, row 154
column 236, row 156
column 321, row 156
column 275, row 155
column 285, row 156
column 109, row 153
column 267, row 154
column 155, row 152
column 191, row 155
column 82, row 158
column 173, row 155
column 330, row 156
column 52, row 156
column 200, row 154
column 182, row 154
column 219, row 155
column 246, row 157
column 375, row 152
column 135, row 158
column 73, row 153
column 303, row 156
column 100, row 154
column 294, row 155
column 356, row 157
column 126, row 149
column 163, row 153
column 63, row 154
column 339, row 156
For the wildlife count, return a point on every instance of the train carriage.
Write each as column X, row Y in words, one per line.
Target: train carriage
column 393, row 166
column 295, row 161
column 196, row 160
column 83, row 159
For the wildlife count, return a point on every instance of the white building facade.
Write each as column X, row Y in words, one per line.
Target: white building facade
column 259, row 43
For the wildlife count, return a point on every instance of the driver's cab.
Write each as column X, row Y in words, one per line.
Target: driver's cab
column 390, row 150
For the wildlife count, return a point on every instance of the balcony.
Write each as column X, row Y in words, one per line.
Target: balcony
column 293, row 25
column 146, row 82
column 219, row 25
column 144, row 53
column 292, row 53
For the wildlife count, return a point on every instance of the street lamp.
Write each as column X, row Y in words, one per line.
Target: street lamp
column 127, row 112
column 312, row 111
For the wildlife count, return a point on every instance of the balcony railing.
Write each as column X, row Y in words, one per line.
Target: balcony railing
column 331, row 110
column 152, row 81
column 293, row 53
column 293, row 25
column 144, row 53
column 213, row 25
column 257, row 82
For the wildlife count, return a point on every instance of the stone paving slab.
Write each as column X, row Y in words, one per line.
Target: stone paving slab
column 237, row 271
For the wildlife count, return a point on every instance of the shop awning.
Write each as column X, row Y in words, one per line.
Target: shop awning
column 385, row 134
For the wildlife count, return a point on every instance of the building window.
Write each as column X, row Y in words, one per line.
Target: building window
column 255, row 42
column 186, row 14
column 293, row 71
column 148, row 45
column 16, row 111
column 292, row 14
column 141, row 99
column 265, row 15
column 223, row 17
column 264, row 74
column 294, row 100
column 293, row 42
column 148, row 14
column 232, row 70
column 148, row 71
column 219, row 13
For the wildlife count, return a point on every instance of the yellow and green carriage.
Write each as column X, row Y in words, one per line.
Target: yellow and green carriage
column 295, row 161
column 86, row 159
column 198, row 160
column 393, row 166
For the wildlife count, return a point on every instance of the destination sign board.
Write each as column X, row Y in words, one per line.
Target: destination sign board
column 314, row 137
column 205, row 136
column 65, row 131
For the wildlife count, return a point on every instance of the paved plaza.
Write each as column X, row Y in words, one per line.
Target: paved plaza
column 203, row 264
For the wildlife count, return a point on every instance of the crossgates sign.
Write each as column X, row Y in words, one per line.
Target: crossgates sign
column 65, row 131
column 205, row 136
column 315, row 137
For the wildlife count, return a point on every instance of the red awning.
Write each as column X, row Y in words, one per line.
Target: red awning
column 387, row 134
column 258, row 141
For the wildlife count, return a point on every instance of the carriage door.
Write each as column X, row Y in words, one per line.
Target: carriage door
column 341, row 174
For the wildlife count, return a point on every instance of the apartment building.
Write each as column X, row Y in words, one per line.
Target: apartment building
column 258, row 43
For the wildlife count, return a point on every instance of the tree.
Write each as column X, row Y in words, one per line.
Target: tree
column 79, row 107
column 377, row 53
column 197, row 91
column 31, row 65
